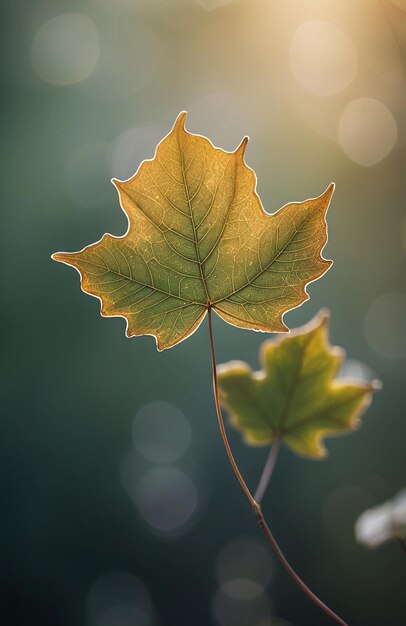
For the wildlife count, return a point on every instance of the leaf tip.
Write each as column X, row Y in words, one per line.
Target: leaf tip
column 329, row 192
column 60, row 257
column 118, row 184
column 241, row 148
column 323, row 316
column 322, row 321
column 181, row 121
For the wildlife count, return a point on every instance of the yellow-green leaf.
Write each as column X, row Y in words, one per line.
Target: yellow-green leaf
column 296, row 396
column 198, row 237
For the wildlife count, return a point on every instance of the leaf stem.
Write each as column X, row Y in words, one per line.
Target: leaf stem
column 268, row 470
column 255, row 505
column 224, row 437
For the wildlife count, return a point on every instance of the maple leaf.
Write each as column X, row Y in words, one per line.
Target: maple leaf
column 296, row 397
column 198, row 237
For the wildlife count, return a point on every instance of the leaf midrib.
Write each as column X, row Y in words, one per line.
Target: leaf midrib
column 187, row 300
column 293, row 387
column 199, row 261
column 315, row 416
column 195, row 227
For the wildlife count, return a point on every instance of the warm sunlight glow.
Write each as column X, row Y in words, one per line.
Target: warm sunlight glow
column 322, row 58
column 367, row 131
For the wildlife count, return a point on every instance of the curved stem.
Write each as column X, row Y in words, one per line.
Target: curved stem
column 255, row 505
column 268, row 470
column 275, row 546
column 230, row 455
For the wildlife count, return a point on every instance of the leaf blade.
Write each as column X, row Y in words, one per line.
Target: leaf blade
column 295, row 397
column 278, row 263
column 198, row 237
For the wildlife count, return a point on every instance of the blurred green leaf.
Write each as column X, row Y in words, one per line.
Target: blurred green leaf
column 296, row 397
column 199, row 238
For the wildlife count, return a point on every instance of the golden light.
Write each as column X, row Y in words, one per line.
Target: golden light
column 322, row 58
column 367, row 131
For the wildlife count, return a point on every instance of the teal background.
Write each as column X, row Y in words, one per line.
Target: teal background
column 72, row 383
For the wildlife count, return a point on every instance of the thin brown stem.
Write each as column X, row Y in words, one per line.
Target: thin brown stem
column 255, row 505
column 275, row 547
column 268, row 470
column 224, row 437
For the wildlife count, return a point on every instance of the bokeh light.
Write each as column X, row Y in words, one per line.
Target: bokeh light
column 206, row 113
column 367, row 131
column 242, row 589
column 128, row 64
column 357, row 371
column 377, row 525
column 239, row 610
column 244, row 558
column 322, row 58
column 243, row 569
column 161, row 432
column 373, row 527
column 65, row 50
column 131, row 147
column 384, row 326
column 124, row 615
column 167, row 499
column 118, row 598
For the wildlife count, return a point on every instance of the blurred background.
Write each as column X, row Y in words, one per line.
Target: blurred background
column 119, row 507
